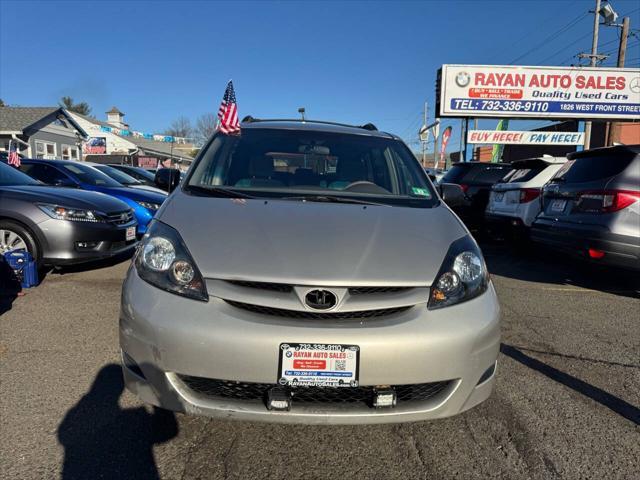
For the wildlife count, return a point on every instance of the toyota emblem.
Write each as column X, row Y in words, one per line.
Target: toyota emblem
column 320, row 299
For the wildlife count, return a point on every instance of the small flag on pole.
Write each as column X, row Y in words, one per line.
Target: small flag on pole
column 13, row 158
column 228, row 112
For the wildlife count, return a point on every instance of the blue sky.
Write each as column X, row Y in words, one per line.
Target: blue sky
column 353, row 62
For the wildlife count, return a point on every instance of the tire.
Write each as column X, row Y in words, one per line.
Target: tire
column 25, row 235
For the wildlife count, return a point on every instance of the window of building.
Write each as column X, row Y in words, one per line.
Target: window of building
column 46, row 150
column 70, row 152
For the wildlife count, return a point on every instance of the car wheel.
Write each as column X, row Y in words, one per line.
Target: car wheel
column 14, row 236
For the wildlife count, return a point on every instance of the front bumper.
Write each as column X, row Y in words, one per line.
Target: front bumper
column 576, row 240
column 64, row 241
column 165, row 337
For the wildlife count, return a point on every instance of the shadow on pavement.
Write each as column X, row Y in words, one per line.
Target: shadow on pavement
column 87, row 266
column 9, row 286
column 102, row 440
column 531, row 263
column 612, row 402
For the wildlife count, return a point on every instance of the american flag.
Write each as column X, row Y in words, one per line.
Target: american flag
column 228, row 112
column 13, row 158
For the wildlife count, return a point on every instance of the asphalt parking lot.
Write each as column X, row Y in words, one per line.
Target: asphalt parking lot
column 566, row 403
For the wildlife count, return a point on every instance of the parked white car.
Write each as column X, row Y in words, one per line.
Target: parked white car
column 515, row 201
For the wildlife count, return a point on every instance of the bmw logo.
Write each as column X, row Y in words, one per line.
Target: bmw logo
column 463, row 79
column 288, row 354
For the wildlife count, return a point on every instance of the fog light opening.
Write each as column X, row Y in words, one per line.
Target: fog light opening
column 488, row 373
column 279, row 399
column 132, row 366
column 384, row 397
column 86, row 245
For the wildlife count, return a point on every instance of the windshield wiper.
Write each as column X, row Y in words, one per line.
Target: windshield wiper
column 558, row 180
column 217, row 191
column 333, row 199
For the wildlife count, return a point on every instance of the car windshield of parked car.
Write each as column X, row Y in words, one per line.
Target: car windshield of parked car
column 588, row 169
column 117, row 175
column 9, row 176
column 142, row 173
column 524, row 171
column 90, row 175
column 297, row 163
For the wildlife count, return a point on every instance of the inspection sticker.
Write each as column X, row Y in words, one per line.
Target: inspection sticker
column 318, row 365
column 423, row 192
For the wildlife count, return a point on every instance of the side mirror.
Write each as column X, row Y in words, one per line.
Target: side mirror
column 452, row 194
column 167, row 178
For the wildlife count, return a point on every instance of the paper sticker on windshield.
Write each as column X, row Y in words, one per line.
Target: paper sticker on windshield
column 423, row 192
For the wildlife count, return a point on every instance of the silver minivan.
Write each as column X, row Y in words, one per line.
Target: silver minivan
column 309, row 272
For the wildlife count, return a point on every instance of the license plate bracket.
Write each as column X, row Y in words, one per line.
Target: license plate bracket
column 318, row 365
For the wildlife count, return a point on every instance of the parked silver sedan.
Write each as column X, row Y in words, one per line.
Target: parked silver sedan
column 309, row 272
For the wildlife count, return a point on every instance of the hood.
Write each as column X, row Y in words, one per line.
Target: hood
column 134, row 194
column 313, row 243
column 66, row 197
column 148, row 188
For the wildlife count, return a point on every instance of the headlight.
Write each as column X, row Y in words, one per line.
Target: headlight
column 162, row 259
column 149, row 205
column 72, row 214
column 462, row 276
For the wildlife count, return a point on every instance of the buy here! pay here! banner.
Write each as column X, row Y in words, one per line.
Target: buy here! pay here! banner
column 539, row 92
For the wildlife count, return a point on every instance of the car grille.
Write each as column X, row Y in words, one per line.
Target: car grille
column 273, row 287
column 120, row 218
column 285, row 288
column 280, row 312
column 417, row 392
column 376, row 290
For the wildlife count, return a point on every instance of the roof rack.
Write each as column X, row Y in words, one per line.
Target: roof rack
column 250, row 119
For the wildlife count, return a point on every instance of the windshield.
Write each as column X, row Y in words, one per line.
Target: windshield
column 295, row 163
column 144, row 173
column 10, row 176
column 90, row 175
column 117, row 175
column 588, row 169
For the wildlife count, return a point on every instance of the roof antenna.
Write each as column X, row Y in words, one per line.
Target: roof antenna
column 301, row 111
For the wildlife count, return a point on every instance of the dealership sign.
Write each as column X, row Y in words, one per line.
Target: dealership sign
column 539, row 92
column 525, row 138
column 95, row 145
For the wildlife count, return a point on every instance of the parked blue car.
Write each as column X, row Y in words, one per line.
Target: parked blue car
column 65, row 173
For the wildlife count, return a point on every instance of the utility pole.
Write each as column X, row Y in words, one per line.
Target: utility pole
column 462, row 155
column 593, row 63
column 612, row 127
column 475, row 127
column 424, row 143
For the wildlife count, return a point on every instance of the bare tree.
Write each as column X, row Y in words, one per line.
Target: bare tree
column 82, row 108
column 205, row 126
column 180, row 127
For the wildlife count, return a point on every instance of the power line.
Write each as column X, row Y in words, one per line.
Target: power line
column 553, row 36
column 564, row 47
column 536, row 30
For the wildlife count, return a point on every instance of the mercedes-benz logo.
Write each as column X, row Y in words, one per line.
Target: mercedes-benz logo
column 463, row 79
column 320, row 299
column 634, row 85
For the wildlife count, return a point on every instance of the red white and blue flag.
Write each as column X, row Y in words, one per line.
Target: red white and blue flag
column 228, row 113
column 13, row 158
